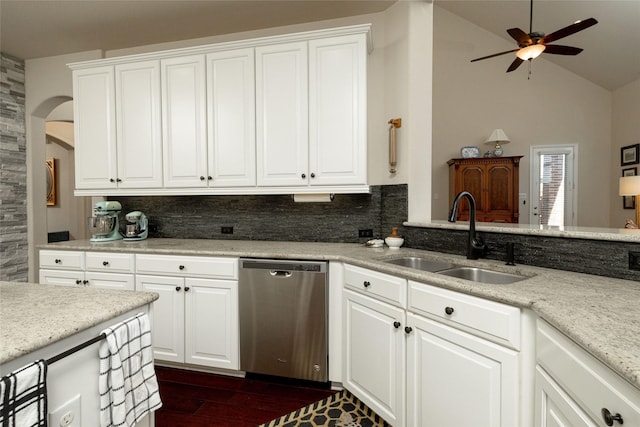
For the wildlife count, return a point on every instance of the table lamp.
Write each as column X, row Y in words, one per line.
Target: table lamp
column 498, row 137
column 630, row 186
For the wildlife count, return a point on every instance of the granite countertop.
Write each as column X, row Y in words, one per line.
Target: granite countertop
column 601, row 314
column 33, row 316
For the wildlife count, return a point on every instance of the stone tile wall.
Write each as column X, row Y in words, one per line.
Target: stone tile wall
column 13, row 171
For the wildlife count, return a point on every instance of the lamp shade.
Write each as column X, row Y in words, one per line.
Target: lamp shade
column 530, row 52
column 629, row 186
column 498, row 136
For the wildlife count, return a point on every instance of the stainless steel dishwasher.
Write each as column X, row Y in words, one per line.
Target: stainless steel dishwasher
column 283, row 318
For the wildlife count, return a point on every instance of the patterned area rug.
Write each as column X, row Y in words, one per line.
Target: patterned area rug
column 339, row 410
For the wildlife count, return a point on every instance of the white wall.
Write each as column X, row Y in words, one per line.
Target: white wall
column 554, row 106
column 626, row 131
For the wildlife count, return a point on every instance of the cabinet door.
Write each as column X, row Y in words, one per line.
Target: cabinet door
column 94, row 128
column 499, row 200
column 61, row 277
column 337, row 110
column 184, row 137
column 123, row 282
column 456, row 379
column 211, row 323
column 168, row 315
column 374, row 355
column 554, row 408
column 139, row 125
column 231, row 118
column 472, row 179
column 282, row 114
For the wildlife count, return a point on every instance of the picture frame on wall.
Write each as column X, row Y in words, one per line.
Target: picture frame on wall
column 629, row 202
column 630, row 155
column 52, row 196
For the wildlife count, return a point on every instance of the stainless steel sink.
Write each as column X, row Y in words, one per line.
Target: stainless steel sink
column 421, row 263
column 481, row 275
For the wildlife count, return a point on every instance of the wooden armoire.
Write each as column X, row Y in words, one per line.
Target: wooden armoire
column 493, row 182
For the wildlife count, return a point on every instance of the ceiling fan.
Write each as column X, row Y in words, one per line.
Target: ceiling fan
column 531, row 45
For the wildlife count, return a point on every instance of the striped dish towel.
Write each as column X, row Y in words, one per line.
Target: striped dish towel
column 128, row 385
column 23, row 397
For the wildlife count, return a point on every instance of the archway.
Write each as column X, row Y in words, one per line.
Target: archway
column 36, row 180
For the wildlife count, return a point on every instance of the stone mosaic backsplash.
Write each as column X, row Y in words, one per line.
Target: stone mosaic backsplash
column 279, row 218
column 13, row 171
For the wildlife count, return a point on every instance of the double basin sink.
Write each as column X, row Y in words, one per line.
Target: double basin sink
column 473, row 274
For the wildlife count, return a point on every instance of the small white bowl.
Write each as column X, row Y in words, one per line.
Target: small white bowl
column 394, row 242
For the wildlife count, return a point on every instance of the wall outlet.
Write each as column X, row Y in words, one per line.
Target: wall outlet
column 226, row 230
column 367, row 232
column 67, row 415
column 634, row 260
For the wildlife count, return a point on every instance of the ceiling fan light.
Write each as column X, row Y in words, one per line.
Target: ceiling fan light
column 530, row 52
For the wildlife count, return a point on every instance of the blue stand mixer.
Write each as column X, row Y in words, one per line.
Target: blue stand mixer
column 103, row 225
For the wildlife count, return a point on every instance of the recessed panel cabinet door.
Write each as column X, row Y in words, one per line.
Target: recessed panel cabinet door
column 282, row 114
column 374, row 355
column 95, row 128
column 458, row 380
column 139, row 125
column 167, row 315
column 231, row 118
column 184, row 135
column 211, row 332
column 337, row 110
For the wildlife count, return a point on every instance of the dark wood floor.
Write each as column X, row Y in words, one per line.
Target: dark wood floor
column 195, row 399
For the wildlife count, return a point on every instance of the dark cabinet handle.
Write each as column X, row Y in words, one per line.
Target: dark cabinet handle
column 609, row 418
column 449, row 310
column 112, row 180
column 178, row 288
column 313, row 175
column 304, row 175
column 118, row 180
column 85, row 282
column 209, row 178
column 58, row 261
column 181, row 267
column 366, row 283
column 78, row 281
column 186, row 289
column 396, row 324
column 408, row 329
column 202, row 178
column 105, row 263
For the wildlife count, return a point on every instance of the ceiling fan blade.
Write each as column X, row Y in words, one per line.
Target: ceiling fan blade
column 494, row 55
column 568, row 30
column 515, row 64
column 520, row 36
column 562, row 50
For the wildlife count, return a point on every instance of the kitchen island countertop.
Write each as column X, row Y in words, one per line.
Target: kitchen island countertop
column 601, row 314
column 33, row 316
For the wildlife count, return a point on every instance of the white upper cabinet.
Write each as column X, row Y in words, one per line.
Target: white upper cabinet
column 138, row 125
column 231, row 118
column 337, row 110
column 184, row 132
column 95, row 128
column 273, row 115
column 282, row 114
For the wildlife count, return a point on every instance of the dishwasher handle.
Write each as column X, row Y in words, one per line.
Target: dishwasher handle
column 280, row 273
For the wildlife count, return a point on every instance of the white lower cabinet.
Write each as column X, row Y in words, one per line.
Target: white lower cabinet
column 575, row 389
column 374, row 355
column 457, row 379
column 195, row 320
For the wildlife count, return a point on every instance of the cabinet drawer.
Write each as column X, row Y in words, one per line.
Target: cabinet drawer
column 212, row 267
column 589, row 382
column 488, row 319
column 378, row 285
column 110, row 262
column 67, row 260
